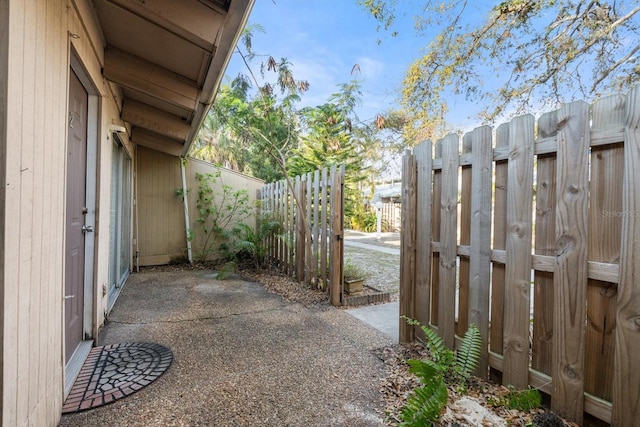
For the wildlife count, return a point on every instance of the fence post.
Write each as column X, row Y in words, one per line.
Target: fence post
column 337, row 235
column 517, row 291
column 570, row 275
column 480, row 240
column 626, row 383
column 422, row 298
column 408, row 246
column 448, row 239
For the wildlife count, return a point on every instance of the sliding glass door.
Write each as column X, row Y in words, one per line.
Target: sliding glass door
column 120, row 220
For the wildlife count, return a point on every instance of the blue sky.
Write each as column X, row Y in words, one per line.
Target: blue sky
column 324, row 39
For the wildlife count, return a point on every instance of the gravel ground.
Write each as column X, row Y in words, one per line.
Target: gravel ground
column 242, row 356
column 383, row 269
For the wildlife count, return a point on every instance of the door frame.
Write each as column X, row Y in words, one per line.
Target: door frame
column 93, row 106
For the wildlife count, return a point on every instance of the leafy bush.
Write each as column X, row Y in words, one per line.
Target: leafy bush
column 425, row 405
column 217, row 209
column 249, row 243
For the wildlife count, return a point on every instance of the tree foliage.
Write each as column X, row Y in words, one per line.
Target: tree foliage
column 253, row 124
column 514, row 55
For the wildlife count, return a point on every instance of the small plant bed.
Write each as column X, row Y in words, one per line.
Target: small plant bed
column 368, row 295
column 479, row 402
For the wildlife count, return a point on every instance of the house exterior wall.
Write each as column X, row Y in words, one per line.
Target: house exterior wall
column 160, row 216
column 37, row 39
column 161, row 224
column 235, row 180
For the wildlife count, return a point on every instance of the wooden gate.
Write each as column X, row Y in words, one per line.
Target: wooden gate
column 310, row 209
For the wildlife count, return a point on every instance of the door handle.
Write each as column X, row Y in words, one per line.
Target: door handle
column 68, row 296
column 87, row 229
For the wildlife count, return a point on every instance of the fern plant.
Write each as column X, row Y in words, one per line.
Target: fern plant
column 247, row 242
column 425, row 405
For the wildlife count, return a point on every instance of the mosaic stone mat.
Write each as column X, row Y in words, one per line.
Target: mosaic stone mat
column 114, row 371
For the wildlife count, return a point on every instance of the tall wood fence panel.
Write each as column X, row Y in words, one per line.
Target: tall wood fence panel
column 310, row 246
column 532, row 233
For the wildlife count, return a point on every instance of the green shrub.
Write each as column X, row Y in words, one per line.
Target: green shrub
column 425, row 405
column 247, row 243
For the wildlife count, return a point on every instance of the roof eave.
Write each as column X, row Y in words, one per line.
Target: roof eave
column 237, row 18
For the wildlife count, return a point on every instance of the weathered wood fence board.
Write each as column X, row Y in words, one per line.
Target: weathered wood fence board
column 607, row 166
column 517, row 288
column 557, row 213
column 545, row 244
column 480, row 240
column 464, row 235
column 448, row 239
column 570, row 275
column 496, row 333
column 626, row 381
column 422, row 307
column 310, row 208
column 336, row 254
column 407, row 247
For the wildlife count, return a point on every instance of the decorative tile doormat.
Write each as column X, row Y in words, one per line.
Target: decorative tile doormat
column 114, row 371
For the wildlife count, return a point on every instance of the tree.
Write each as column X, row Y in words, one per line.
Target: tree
column 253, row 124
column 541, row 53
column 333, row 136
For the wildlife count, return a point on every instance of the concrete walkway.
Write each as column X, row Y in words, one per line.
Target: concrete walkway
column 383, row 317
column 242, row 357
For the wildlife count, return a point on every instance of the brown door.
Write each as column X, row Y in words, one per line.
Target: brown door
column 76, row 193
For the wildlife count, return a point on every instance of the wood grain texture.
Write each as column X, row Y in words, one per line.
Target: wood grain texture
column 301, row 194
column 448, row 239
column 309, row 261
column 435, row 233
column 324, row 231
column 407, row 245
column 496, row 333
column 480, row 240
column 464, row 230
column 607, row 166
column 290, row 239
column 626, row 383
column 518, row 247
column 570, row 276
column 316, row 230
column 337, row 235
column 424, row 182
column 545, row 244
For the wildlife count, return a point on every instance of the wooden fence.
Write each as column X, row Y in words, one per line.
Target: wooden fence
column 536, row 240
column 311, row 209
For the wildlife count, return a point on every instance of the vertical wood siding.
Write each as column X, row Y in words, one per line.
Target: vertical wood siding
column 34, row 206
column 35, row 40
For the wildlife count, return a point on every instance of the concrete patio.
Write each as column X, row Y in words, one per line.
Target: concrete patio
column 242, row 357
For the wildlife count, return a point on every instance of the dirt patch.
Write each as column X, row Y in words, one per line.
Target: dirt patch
column 397, row 386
